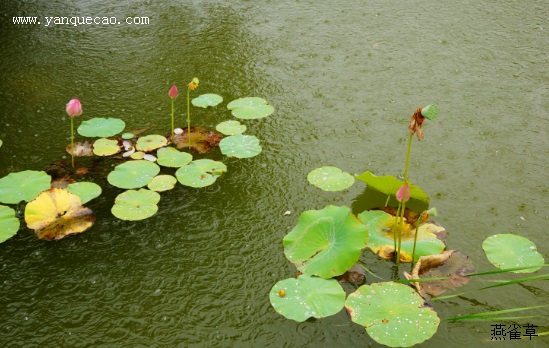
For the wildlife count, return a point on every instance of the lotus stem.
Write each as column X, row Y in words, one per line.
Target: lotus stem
column 415, row 240
column 173, row 119
column 189, row 116
column 410, row 137
column 72, row 142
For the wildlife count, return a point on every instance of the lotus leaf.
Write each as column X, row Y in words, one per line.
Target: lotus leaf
column 512, row 251
column 430, row 112
column 330, row 178
column 200, row 173
column 389, row 185
column 326, row 242
column 306, row 297
column 250, row 108
column 393, row 314
column 137, row 155
column 240, row 146
column 127, row 135
column 135, row 205
column 133, row 174
column 106, row 147
column 85, row 190
column 101, row 127
column 9, row 223
column 206, row 100
column 380, row 227
column 23, row 186
column 202, row 140
column 56, row 213
column 80, row 149
column 1, row 142
column 151, row 142
column 170, row 157
column 162, row 183
column 231, row 127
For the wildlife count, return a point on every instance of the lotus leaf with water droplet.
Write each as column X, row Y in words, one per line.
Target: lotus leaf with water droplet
column 512, row 251
column 101, row 127
column 151, row 142
column 23, row 186
column 161, row 183
column 250, row 108
column 206, row 100
column 85, row 190
column 170, row 157
column 389, row 185
column 202, row 140
column 9, row 223
column 231, row 127
column 330, row 178
column 106, row 147
column 240, row 146
column 133, row 174
column 200, row 173
column 136, row 205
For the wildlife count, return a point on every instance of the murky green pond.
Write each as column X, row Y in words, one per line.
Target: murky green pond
column 344, row 78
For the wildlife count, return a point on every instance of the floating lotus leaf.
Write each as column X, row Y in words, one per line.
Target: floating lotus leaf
column 101, row 127
column 231, row 128
column 127, row 135
column 23, row 186
column 106, row 147
column 330, row 178
column 133, row 174
column 393, row 314
column 326, row 242
column 137, row 155
column 202, row 140
column 389, row 185
column 511, row 251
column 240, row 146
column 136, row 205
column 380, row 226
column 206, row 100
column 80, row 149
column 85, row 190
column 170, row 157
column 200, row 173
column 162, row 183
column 151, row 142
column 9, row 223
column 250, row 108
column 56, row 213
column 306, row 297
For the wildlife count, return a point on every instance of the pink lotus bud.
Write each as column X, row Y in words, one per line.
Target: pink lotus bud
column 74, row 108
column 173, row 92
column 403, row 192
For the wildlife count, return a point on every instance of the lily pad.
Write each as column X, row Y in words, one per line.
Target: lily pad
column 170, row 157
column 127, row 135
column 23, row 186
column 329, row 178
column 206, row 100
column 85, row 190
column 250, row 108
column 240, row 146
column 306, row 297
column 133, row 174
column 202, row 140
column 106, row 147
column 136, row 205
column 101, row 127
column 393, row 314
column 151, row 142
column 231, row 128
column 137, row 155
column 512, row 251
column 57, row 213
column 9, row 223
column 162, row 183
column 200, row 173
column 326, row 242
column 389, row 185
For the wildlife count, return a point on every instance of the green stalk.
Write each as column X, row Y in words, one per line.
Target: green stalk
column 72, row 142
column 415, row 240
column 189, row 116
column 404, row 200
column 173, row 120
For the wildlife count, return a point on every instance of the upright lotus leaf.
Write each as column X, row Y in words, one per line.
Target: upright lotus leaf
column 329, row 178
column 306, row 297
column 101, row 127
column 85, row 190
column 206, row 100
column 133, row 174
column 170, row 157
column 200, row 173
column 202, row 140
column 9, row 223
column 430, row 112
column 135, row 205
column 512, row 251
column 161, row 183
column 106, row 147
column 23, row 186
column 231, row 128
column 326, row 242
column 240, row 146
column 389, row 185
column 56, row 213
column 393, row 314
column 151, row 142
column 380, row 227
column 250, row 108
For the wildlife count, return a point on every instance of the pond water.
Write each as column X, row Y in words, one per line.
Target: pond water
column 344, row 78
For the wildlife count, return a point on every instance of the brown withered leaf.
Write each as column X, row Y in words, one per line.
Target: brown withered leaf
column 202, row 140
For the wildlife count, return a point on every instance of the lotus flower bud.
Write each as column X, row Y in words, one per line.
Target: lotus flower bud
column 173, row 92
column 193, row 84
column 403, row 193
column 74, row 108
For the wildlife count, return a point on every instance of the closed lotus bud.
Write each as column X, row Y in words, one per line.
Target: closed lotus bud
column 74, row 108
column 193, row 84
column 173, row 92
column 403, row 193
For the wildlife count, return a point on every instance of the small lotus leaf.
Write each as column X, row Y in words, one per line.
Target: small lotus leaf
column 206, row 100
column 240, row 146
column 170, row 157
column 85, row 190
column 133, row 174
column 393, row 314
column 306, row 297
column 9, row 223
column 430, row 112
column 250, row 108
column 389, row 185
column 200, row 173
column 137, row 155
column 326, row 242
column 162, row 183
column 151, row 142
column 23, row 186
column 56, row 213
column 202, row 140
column 330, row 178
column 512, row 251
column 101, row 127
column 128, row 135
column 231, row 128
column 106, row 147
column 135, row 205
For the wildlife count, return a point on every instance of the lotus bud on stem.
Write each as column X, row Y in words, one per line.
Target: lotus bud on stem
column 190, row 87
column 173, row 93
column 73, row 108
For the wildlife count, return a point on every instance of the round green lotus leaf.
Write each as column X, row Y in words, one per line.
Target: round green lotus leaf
column 171, row 157
column 106, row 147
column 306, row 297
column 389, row 185
column 133, row 174
column 231, row 128
column 430, row 112
column 137, row 155
column 162, row 183
column 23, row 186
column 240, row 146
column 101, row 127
column 128, row 136
column 511, row 251
column 206, row 100
column 9, row 223
column 330, row 178
column 326, row 242
column 393, row 314
column 151, row 142
column 135, row 205
column 85, row 190
column 250, row 108
column 200, row 173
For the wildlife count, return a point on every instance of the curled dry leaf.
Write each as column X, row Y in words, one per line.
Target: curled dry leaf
column 202, row 140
